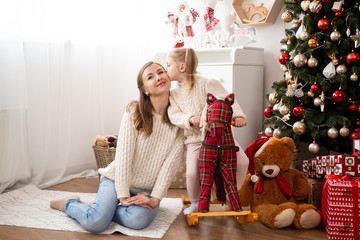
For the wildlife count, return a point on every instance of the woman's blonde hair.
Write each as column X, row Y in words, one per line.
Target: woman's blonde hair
column 142, row 110
column 190, row 60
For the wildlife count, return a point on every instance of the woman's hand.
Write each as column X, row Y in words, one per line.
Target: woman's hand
column 143, row 201
column 239, row 122
column 195, row 121
column 124, row 202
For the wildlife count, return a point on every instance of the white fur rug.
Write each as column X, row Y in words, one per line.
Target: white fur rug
column 29, row 207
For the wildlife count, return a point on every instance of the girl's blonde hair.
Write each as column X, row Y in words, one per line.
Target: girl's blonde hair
column 190, row 60
column 142, row 109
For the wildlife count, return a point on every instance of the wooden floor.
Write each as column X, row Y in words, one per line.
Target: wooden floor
column 208, row 228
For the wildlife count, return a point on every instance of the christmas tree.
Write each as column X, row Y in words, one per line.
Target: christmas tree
column 318, row 100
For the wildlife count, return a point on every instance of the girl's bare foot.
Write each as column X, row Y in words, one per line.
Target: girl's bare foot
column 59, row 204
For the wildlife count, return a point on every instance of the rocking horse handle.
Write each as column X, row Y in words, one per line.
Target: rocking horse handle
column 233, row 123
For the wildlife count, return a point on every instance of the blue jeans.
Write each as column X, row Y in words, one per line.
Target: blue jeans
column 105, row 209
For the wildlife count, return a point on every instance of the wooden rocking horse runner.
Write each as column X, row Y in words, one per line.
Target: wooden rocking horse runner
column 218, row 155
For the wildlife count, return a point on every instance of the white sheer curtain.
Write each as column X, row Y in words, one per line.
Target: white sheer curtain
column 67, row 70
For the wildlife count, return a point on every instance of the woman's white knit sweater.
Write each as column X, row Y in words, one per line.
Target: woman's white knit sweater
column 185, row 105
column 145, row 164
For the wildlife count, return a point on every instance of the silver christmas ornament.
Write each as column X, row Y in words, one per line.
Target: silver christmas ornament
column 344, row 131
column 354, row 77
column 268, row 131
column 341, row 69
column 277, row 133
column 317, row 102
column 300, row 60
column 314, row 147
column 333, row 133
column 337, row 5
column 335, row 36
column 312, row 62
column 356, row 38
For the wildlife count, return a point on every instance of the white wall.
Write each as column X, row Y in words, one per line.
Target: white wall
column 267, row 36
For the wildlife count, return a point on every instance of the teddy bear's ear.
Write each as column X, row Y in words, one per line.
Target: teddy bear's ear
column 210, row 98
column 230, row 99
column 288, row 142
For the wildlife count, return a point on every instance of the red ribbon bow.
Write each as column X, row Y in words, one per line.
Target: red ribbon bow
column 284, row 187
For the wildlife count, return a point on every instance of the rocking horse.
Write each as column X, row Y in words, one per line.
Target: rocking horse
column 218, row 162
column 217, row 158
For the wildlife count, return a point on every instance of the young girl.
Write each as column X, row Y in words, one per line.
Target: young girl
column 187, row 104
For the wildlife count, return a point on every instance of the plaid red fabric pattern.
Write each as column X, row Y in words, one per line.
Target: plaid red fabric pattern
column 189, row 31
column 210, row 20
column 216, row 162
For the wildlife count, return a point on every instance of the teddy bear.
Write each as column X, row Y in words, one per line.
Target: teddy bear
column 273, row 190
column 107, row 141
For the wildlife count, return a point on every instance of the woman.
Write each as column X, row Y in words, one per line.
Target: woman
column 148, row 154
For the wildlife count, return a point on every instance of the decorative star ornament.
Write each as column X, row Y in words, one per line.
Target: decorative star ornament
column 356, row 38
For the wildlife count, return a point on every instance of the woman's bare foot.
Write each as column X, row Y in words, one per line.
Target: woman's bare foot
column 59, row 204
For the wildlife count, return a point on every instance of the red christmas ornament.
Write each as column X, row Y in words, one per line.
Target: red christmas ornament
column 326, row 1
column 314, row 88
column 284, row 57
column 338, row 96
column 268, row 112
column 297, row 110
column 339, row 14
column 353, row 107
column 323, row 23
column 352, row 57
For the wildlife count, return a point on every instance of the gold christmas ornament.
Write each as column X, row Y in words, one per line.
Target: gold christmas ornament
column 344, row 131
column 277, row 133
column 287, row 16
column 305, row 5
column 284, row 110
column 284, row 68
column 299, row 127
column 335, row 61
column 315, row 6
column 354, row 77
column 335, row 36
column 312, row 62
column 341, row 69
column 313, row 43
column 300, row 60
column 310, row 94
column 317, row 102
column 304, row 36
column 268, row 131
column 333, row 133
column 272, row 98
column 314, row 147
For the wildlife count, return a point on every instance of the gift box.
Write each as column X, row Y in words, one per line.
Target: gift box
column 316, row 187
column 340, row 207
column 310, row 169
column 340, row 165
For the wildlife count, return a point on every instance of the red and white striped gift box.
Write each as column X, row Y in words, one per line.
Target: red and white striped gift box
column 340, row 207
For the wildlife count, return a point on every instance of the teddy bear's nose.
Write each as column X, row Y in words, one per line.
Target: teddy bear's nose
column 269, row 171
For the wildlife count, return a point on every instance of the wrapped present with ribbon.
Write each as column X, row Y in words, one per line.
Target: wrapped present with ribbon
column 340, row 165
column 340, row 207
column 310, row 169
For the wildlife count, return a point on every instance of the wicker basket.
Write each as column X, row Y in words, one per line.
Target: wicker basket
column 104, row 156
